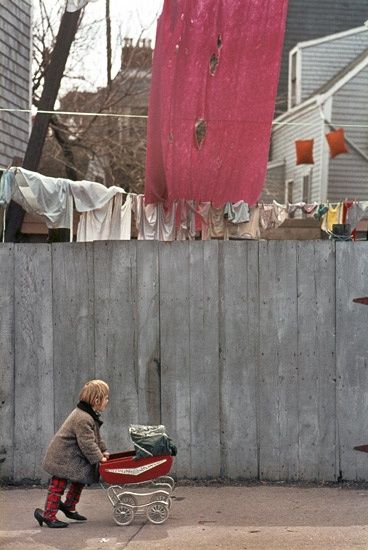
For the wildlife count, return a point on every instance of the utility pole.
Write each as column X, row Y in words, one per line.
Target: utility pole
column 54, row 73
column 108, row 43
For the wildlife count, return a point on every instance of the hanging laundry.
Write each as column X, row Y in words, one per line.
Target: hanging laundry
column 304, row 151
column 346, row 205
column 203, row 215
column 272, row 215
column 95, row 225
column 47, row 197
column 90, row 195
column 211, row 107
column 246, row 230
column 309, row 209
column 280, row 213
column 266, row 216
column 237, row 212
column 121, row 220
column 356, row 212
column 293, row 207
column 332, row 216
column 336, row 142
column 217, row 223
column 321, row 211
column 7, row 184
column 187, row 222
column 153, row 222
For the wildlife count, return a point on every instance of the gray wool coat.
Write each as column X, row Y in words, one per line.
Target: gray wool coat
column 76, row 449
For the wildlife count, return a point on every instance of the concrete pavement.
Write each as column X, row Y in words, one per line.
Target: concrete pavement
column 269, row 517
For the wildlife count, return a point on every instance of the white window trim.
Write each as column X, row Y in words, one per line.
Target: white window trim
column 298, row 74
column 288, row 183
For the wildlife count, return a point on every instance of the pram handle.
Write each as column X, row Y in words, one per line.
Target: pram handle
column 124, row 454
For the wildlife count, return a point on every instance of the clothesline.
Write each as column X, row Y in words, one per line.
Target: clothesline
column 104, row 215
column 79, row 113
column 126, row 115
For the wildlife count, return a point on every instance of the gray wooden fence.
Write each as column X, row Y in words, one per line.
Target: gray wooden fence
column 252, row 354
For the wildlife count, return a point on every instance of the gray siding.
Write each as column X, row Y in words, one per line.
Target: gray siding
column 313, row 19
column 283, row 147
column 348, row 173
column 15, row 74
column 321, row 62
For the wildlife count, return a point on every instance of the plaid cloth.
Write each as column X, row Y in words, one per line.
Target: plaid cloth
column 56, row 490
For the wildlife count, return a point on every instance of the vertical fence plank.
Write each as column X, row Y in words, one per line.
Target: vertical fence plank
column 204, row 359
column 6, row 361
column 239, row 358
column 148, row 333
column 175, row 349
column 34, row 403
column 316, row 361
column 116, row 356
column 352, row 358
column 73, row 313
column 278, row 368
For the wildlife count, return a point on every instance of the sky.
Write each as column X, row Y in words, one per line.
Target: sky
column 129, row 15
column 128, row 19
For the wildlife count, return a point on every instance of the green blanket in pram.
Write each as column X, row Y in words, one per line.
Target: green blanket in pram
column 151, row 441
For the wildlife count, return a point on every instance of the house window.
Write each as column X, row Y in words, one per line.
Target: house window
column 293, row 79
column 306, row 189
column 289, row 191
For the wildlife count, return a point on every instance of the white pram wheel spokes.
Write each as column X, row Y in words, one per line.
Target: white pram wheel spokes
column 158, row 512
column 137, row 501
column 123, row 514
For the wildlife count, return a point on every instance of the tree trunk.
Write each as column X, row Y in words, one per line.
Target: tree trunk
column 67, row 30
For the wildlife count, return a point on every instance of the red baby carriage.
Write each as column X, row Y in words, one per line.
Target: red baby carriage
column 138, row 486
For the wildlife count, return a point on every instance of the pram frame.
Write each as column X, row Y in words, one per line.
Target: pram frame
column 150, row 497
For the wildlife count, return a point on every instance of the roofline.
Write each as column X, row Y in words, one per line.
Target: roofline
column 307, row 105
column 318, row 99
column 340, row 83
column 275, row 164
column 329, row 38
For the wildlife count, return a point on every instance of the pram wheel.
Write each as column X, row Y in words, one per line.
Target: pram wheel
column 123, row 514
column 158, row 512
column 163, row 497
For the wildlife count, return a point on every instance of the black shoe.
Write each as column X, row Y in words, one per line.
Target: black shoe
column 69, row 514
column 55, row 523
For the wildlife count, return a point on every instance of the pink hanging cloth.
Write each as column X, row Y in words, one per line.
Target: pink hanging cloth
column 214, row 81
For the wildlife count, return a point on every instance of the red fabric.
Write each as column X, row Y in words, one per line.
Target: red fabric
column 73, row 495
column 304, row 151
column 336, row 142
column 347, row 204
column 240, row 41
column 56, row 490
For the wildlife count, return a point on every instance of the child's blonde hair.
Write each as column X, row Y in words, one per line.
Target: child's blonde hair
column 94, row 391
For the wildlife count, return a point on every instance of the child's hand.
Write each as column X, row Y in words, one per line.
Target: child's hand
column 107, row 454
column 103, row 459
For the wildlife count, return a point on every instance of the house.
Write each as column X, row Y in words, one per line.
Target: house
column 310, row 20
column 15, row 78
column 328, row 89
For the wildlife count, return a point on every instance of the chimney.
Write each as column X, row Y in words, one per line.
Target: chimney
column 138, row 56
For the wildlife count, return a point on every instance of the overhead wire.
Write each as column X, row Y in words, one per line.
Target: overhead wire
column 126, row 115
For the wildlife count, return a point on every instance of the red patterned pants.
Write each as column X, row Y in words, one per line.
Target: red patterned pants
column 56, row 490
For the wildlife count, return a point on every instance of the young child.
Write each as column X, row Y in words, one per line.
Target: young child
column 74, row 455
